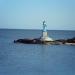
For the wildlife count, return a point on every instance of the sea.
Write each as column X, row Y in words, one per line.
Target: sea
column 35, row 59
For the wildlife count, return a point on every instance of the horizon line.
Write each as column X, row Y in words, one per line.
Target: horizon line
column 37, row 29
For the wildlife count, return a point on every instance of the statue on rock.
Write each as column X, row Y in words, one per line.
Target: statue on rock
column 45, row 34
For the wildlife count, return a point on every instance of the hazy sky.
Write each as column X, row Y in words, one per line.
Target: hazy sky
column 29, row 14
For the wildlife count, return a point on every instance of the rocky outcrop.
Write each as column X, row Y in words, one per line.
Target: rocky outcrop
column 38, row 41
column 45, row 39
column 71, row 40
column 67, row 41
column 28, row 41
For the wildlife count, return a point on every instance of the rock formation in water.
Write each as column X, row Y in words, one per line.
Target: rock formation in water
column 38, row 41
column 45, row 39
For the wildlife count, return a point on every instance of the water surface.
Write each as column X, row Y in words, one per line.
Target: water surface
column 35, row 59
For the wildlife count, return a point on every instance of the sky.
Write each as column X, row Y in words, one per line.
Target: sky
column 29, row 14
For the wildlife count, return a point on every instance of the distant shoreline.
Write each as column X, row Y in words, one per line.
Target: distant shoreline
column 32, row 29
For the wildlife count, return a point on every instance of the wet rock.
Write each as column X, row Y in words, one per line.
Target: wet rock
column 71, row 40
column 38, row 41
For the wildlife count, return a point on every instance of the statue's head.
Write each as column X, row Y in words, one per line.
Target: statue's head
column 44, row 22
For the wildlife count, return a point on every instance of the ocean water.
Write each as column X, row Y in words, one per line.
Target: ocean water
column 35, row 59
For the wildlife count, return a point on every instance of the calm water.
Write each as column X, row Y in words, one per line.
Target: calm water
column 31, row 59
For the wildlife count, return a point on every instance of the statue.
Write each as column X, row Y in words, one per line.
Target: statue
column 44, row 27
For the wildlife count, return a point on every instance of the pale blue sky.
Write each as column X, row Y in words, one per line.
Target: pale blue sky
column 29, row 14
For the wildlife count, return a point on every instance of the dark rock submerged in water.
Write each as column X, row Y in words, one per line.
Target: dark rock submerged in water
column 28, row 41
column 32, row 41
column 38, row 41
column 67, row 41
column 71, row 40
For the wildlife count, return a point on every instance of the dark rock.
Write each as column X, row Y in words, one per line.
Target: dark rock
column 71, row 40
column 28, row 41
column 38, row 41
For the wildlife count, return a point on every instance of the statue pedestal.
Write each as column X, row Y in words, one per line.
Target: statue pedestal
column 45, row 37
